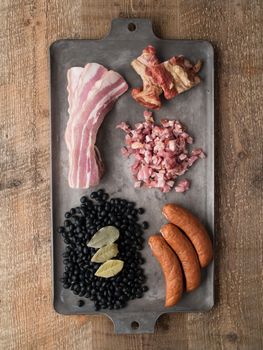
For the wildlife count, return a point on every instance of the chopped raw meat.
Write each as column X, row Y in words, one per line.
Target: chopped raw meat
column 198, row 152
column 182, row 186
column 125, row 127
column 148, row 116
column 171, row 77
column 160, row 152
column 93, row 90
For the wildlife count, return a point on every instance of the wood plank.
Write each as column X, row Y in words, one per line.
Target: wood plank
column 28, row 27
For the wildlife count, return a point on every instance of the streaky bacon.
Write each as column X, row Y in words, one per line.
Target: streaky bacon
column 95, row 93
column 73, row 76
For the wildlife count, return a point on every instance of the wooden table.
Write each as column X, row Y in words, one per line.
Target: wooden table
column 28, row 27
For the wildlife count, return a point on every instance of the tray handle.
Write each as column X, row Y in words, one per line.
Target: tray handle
column 137, row 323
column 131, row 29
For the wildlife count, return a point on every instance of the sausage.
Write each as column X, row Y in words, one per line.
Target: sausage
column 186, row 254
column 193, row 229
column 171, row 269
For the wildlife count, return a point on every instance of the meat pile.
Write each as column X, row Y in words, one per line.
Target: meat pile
column 171, row 77
column 92, row 92
column 160, row 153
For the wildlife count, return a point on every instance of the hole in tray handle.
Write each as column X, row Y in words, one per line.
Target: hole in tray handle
column 131, row 27
column 135, row 325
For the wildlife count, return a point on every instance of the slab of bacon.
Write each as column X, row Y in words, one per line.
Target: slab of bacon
column 171, row 77
column 92, row 92
column 161, row 153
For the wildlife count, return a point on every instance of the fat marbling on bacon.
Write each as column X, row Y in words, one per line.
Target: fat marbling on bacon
column 160, row 152
column 92, row 92
column 171, row 77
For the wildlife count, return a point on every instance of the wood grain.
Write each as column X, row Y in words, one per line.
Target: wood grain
column 27, row 29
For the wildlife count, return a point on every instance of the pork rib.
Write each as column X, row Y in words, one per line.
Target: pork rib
column 149, row 94
column 171, row 77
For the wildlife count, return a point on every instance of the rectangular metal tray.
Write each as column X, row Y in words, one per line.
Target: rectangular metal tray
column 195, row 108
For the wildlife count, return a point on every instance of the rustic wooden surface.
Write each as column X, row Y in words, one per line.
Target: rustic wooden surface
column 27, row 28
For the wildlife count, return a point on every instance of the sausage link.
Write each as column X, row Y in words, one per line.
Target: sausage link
column 186, row 254
column 193, row 229
column 171, row 269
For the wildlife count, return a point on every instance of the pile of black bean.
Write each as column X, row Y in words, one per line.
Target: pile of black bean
column 80, row 224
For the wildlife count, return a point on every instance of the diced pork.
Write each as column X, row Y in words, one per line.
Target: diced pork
column 161, row 153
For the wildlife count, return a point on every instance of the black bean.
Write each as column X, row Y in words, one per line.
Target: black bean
column 85, row 250
column 145, row 225
column 60, row 229
column 83, row 199
column 141, row 261
column 72, row 211
column 131, row 276
column 81, row 303
column 67, row 215
column 141, row 211
column 64, row 234
column 107, row 207
column 94, row 195
column 89, row 203
column 105, row 197
column 67, row 223
column 100, row 192
column 130, row 205
column 76, row 287
column 81, row 277
column 145, row 288
column 97, row 307
column 83, row 211
column 70, row 228
column 142, row 279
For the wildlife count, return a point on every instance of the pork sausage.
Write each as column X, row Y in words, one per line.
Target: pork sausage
column 193, row 229
column 171, row 269
column 186, row 254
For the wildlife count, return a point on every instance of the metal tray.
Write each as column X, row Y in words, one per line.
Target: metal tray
column 195, row 108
